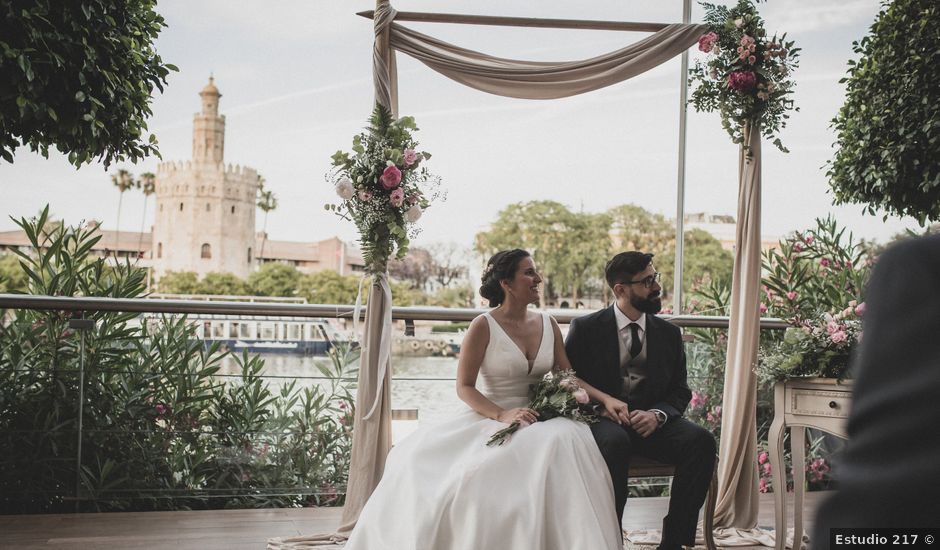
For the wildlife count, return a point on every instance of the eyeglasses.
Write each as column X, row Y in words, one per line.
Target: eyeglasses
column 646, row 281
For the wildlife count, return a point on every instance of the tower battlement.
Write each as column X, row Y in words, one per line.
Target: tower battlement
column 205, row 219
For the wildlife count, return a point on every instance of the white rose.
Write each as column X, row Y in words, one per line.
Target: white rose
column 739, row 23
column 345, row 189
column 413, row 213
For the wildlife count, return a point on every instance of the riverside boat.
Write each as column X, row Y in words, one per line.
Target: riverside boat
column 268, row 334
column 262, row 334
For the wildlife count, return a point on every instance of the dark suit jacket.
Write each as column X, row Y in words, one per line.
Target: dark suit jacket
column 593, row 349
column 889, row 473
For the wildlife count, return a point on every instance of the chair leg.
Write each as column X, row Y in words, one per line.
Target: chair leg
column 709, row 519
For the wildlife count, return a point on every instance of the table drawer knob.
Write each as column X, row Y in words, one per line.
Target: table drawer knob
column 833, row 405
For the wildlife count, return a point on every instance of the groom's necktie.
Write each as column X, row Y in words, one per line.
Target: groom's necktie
column 636, row 345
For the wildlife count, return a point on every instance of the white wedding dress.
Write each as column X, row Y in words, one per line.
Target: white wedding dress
column 548, row 488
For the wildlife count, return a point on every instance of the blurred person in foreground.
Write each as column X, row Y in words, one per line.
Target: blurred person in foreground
column 890, row 470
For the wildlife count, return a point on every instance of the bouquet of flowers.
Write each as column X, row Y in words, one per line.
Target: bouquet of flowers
column 384, row 187
column 557, row 394
column 820, row 348
column 746, row 76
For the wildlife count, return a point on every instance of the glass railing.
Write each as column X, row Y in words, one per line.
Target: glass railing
column 142, row 404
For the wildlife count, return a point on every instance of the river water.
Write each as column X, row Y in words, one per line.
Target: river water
column 422, row 383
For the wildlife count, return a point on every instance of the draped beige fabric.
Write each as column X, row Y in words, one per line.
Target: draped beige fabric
column 544, row 80
column 737, row 469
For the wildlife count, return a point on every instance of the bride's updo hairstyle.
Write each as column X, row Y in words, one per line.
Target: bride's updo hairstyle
column 501, row 266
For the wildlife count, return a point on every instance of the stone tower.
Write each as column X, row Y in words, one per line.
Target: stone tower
column 205, row 218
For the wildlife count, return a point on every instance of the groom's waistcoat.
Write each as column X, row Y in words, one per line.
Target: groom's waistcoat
column 593, row 349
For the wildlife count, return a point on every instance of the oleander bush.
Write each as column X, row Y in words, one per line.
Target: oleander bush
column 159, row 429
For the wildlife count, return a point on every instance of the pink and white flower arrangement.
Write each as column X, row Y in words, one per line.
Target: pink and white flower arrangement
column 558, row 394
column 384, row 187
column 746, row 74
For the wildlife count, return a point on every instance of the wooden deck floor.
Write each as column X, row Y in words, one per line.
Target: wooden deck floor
column 242, row 529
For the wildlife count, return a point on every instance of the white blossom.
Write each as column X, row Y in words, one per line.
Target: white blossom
column 413, row 213
column 345, row 189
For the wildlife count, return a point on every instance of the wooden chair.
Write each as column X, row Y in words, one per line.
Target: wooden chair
column 647, row 467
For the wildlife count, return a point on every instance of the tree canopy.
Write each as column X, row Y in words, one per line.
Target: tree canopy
column 888, row 130
column 571, row 248
column 79, row 76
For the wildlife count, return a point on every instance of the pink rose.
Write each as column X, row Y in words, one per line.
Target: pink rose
column 751, row 59
column 410, row 157
column 391, row 177
column 762, row 457
column 791, row 295
column 767, row 469
column 824, row 262
column 707, row 41
column 763, row 308
column 697, row 400
column 397, row 197
column 581, row 396
column 860, row 309
column 764, row 488
column 742, row 81
column 838, row 337
column 365, row 196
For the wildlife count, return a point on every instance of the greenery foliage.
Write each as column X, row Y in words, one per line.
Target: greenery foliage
column 79, row 76
column 816, row 281
column 162, row 428
column 888, row 130
column 747, row 76
column 12, row 276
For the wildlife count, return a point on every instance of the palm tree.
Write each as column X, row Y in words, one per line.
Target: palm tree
column 148, row 184
column 266, row 202
column 123, row 180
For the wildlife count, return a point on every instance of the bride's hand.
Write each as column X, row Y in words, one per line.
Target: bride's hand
column 617, row 410
column 521, row 415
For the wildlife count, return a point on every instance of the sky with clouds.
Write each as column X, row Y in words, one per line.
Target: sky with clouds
column 295, row 78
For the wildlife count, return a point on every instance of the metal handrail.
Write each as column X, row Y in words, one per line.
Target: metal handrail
column 337, row 311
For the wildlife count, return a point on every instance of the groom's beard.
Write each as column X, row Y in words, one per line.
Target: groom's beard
column 652, row 304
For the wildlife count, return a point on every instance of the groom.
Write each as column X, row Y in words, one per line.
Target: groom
column 637, row 361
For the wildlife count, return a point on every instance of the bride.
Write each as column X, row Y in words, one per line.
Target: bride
column 547, row 488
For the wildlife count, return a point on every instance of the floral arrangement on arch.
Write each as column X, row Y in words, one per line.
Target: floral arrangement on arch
column 747, row 75
column 384, row 187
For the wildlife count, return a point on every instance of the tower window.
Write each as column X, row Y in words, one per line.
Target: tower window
column 159, row 250
column 181, row 207
column 249, row 254
column 233, row 209
column 208, row 207
column 206, row 251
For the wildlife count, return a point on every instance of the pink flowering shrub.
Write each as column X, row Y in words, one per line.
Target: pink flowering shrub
column 815, row 280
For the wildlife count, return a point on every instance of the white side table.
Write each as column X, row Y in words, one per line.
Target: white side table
column 821, row 403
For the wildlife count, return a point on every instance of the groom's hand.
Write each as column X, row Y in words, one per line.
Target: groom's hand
column 644, row 422
column 617, row 410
